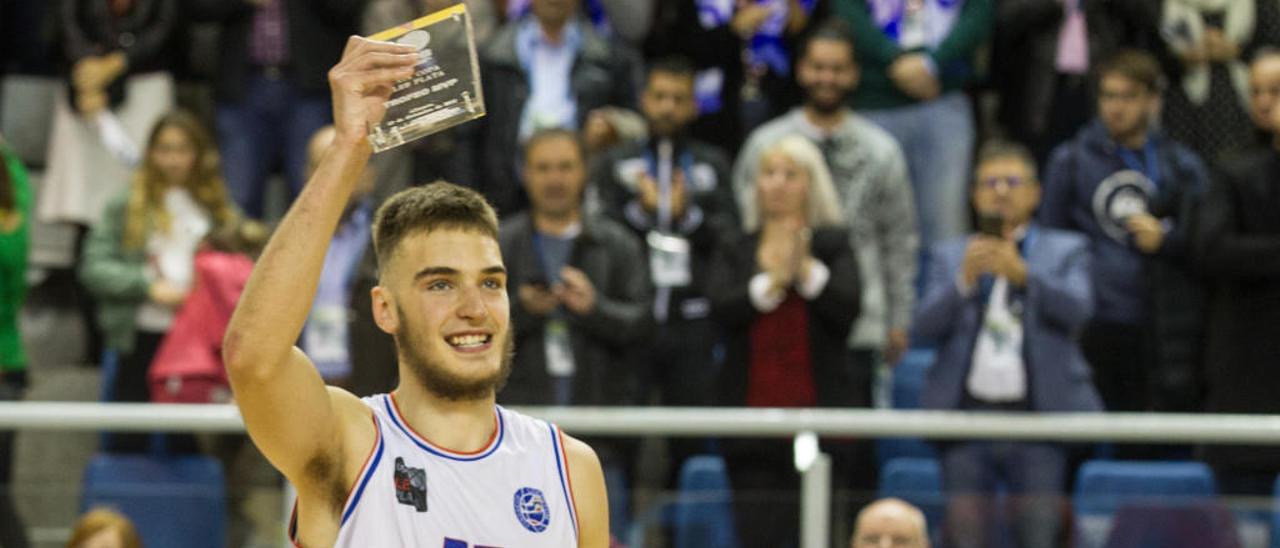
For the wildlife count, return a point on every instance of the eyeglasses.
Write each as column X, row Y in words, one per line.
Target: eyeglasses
column 1011, row 181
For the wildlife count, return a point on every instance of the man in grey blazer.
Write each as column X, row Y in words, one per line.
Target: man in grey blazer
column 1005, row 307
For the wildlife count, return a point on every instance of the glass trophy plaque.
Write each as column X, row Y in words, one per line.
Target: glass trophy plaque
column 444, row 90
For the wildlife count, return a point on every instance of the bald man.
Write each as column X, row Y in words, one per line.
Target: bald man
column 1238, row 244
column 890, row 523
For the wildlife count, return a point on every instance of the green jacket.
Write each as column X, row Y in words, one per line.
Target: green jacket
column 953, row 57
column 115, row 276
column 13, row 268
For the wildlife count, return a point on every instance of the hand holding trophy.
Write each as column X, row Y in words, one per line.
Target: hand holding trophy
column 444, row 89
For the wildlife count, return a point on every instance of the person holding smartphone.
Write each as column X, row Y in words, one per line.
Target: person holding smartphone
column 1005, row 306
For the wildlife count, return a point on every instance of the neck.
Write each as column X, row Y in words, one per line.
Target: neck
column 553, row 31
column 826, row 121
column 461, row 426
column 1135, row 140
column 784, row 222
column 1012, row 227
column 555, row 224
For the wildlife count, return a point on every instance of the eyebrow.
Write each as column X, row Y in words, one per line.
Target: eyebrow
column 448, row 271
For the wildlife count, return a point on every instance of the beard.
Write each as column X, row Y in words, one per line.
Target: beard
column 438, row 380
column 824, row 105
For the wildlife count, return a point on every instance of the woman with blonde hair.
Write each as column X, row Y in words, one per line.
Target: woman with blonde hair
column 138, row 261
column 786, row 293
column 103, row 528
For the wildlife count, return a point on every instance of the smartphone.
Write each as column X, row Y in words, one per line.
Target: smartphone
column 991, row 225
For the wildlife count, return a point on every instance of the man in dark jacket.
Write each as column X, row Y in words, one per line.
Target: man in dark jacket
column 546, row 70
column 1239, row 246
column 580, row 297
column 1005, row 307
column 1132, row 192
column 674, row 193
column 272, row 88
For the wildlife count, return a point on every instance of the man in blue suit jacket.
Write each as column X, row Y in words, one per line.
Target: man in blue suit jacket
column 1005, row 307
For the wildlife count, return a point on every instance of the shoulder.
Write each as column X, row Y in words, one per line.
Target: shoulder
column 514, row 227
column 874, row 137
column 952, row 247
column 501, row 49
column 769, row 132
column 831, row 240
column 1245, row 163
column 1064, row 240
column 707, row 152
column 586, row 480
column 611, row 234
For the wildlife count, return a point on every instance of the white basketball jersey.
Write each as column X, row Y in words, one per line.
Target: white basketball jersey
column 513, row 493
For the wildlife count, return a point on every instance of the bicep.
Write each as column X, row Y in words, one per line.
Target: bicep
column 303, row 427
column 589, row 494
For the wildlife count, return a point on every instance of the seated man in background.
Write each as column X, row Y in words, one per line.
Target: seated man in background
column 1005, row 306
column 890, row 523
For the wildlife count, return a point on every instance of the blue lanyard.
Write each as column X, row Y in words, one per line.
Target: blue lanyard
column 1150, row 168
column 685, row 160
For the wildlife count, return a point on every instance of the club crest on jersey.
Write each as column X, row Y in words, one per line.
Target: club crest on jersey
column 531, row 509
column 411, row 485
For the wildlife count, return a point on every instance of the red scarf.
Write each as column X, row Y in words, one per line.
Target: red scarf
column 780, row 372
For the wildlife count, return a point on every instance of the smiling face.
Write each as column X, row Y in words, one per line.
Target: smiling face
column 444, row 299
column 827, row 73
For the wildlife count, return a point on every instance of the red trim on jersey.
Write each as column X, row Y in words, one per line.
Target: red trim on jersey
column 377, row 440
column 487, row 445
column 568, row 478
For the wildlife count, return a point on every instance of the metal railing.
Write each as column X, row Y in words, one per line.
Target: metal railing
column 804, row 425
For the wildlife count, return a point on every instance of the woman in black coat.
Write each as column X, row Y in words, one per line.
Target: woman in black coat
column 786, row 293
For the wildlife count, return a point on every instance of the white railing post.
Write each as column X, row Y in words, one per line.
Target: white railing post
column 815, row 491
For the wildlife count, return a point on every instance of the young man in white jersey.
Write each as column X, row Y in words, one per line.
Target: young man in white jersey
column 376, row 472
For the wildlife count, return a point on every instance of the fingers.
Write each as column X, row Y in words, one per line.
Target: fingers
column 357, row 44
column 574, row 279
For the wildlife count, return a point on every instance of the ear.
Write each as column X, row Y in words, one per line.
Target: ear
column 384, row 310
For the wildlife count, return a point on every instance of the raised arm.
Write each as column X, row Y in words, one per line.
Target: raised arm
column 307, row 431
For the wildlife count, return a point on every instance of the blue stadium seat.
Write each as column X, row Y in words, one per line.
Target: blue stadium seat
column 908, row 379
column 1275, row 516
column 918, row 481
column 1103, row 487
column 173, row 501
column 703, row 515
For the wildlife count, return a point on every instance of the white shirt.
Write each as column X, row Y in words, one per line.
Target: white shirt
column 514, row 492
column 171, row 254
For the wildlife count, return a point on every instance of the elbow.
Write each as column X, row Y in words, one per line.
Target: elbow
column 240, row 358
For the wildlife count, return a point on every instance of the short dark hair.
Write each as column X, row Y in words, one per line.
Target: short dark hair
column 427, row 208
column 999, row 149
column 1135, row 65
column 831, row 29
column 676, row 65
column 552, row 133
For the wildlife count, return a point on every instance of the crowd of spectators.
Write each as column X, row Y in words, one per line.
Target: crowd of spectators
column 709, row 202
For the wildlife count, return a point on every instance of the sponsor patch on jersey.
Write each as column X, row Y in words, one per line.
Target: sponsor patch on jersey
column 411, row 485
column 531, row 509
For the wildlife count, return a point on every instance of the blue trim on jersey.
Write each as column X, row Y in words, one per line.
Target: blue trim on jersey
column 564, row 484
column 502, row 430
column 368, row 475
